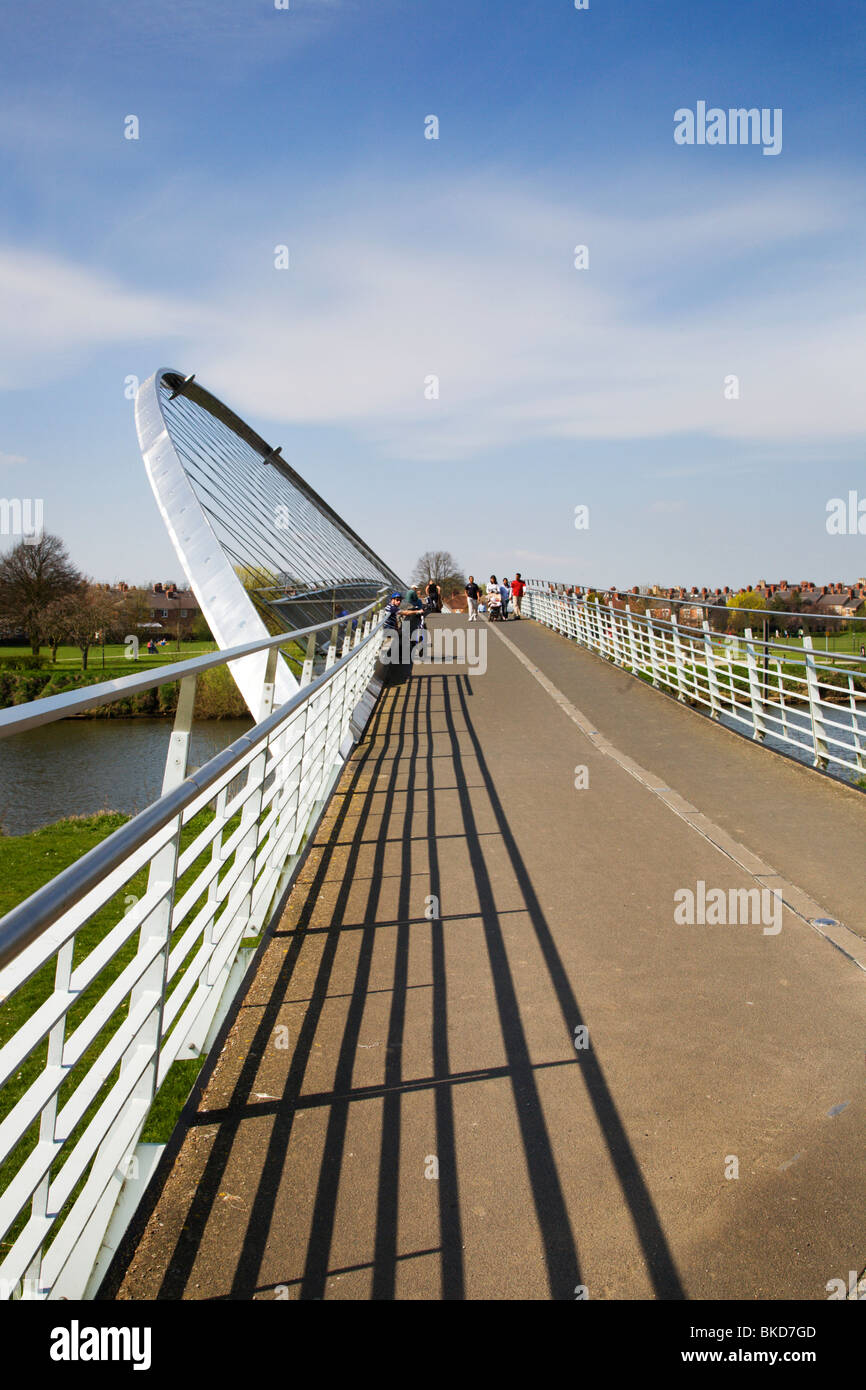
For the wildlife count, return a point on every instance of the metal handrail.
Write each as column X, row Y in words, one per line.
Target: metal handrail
column 690, row 631
column 698, row 602
column 37, row 913
column 219, row 848
column 30, row 716
column 764, row 690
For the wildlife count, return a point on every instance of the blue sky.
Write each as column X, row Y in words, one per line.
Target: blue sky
column 454, row 257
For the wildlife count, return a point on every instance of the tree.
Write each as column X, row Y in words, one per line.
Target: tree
column 31, row 577
column 133, row 612
column 52, row 625
column 199, row 630
column 749, row 598
column 82, row 616
column 778, row 606
column 442, row 568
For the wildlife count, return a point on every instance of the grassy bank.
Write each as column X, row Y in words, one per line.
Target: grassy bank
column 70, row 659
column 24, row 678
column 216, row 696
column 26, row 863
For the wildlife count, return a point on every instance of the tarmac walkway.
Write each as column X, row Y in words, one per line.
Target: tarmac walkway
column 481, row 1059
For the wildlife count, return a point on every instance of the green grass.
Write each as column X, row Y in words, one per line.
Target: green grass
column 69, row 658
column 26, row 863
column 842, row 642
column 217, row 696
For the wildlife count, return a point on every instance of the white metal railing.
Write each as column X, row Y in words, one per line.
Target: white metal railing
column 788, row 696
column 115, row 985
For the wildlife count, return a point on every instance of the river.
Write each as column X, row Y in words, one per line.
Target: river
column 81, row 766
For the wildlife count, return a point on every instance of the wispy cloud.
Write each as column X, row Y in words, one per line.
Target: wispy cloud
column 11, row 460
column 474, row 284
column 53, row 313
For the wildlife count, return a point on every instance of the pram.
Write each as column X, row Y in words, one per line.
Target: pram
column 494, row 607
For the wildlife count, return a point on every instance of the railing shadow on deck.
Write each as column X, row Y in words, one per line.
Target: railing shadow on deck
column 401, row 733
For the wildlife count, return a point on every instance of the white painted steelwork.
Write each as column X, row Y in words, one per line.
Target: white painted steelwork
column 804, row 703
column 140, row 978
column 252, row 536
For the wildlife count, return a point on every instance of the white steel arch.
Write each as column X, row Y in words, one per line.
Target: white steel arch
column 226, row 606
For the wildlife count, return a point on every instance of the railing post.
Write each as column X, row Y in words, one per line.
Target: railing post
column 602, row 639
column 615, row 634
column 679, row 658
column 855, row 727
column 819, row 736
column 782, row 706
column 759, row 728
column 632, row 644
column 48, row 1117
column 582, row 624
column 156, row 927
column 178, row 743
column 269, row 685
column 548, row 609
column 309, row 659
column 653, row 655
column 161, row 879
column 712, row 679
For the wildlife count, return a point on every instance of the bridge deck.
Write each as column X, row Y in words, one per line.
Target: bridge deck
column 419, row 1046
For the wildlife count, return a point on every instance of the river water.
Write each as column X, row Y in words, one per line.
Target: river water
column 81, row 766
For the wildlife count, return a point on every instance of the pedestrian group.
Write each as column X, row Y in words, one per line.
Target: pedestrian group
column 499, row 598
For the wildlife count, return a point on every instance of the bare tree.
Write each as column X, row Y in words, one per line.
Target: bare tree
column 52, row 625
column 133, row 611
column 82, row 616
column 31, row 577
column 442, row 568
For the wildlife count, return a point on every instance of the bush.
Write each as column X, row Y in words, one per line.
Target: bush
column 22, row 663
column 28, row 685
column 62, row 681
column 145, row 702
column 217, row 696
column 167, row 697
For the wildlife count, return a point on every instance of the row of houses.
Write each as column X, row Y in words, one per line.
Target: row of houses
column 165, row 601
column 836, row 600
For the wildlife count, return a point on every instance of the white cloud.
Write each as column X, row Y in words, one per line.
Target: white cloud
column 476, row 286
column 474, row 283
column 11, row 459
column 52, row 312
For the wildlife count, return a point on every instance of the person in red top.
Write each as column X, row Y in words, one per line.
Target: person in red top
column 517, row 588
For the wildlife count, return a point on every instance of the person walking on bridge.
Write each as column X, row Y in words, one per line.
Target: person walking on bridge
column 473, row 594
column 432, row 598
column 505, row 595
column 413, row 612
column 494, row 600
column 517, row 590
